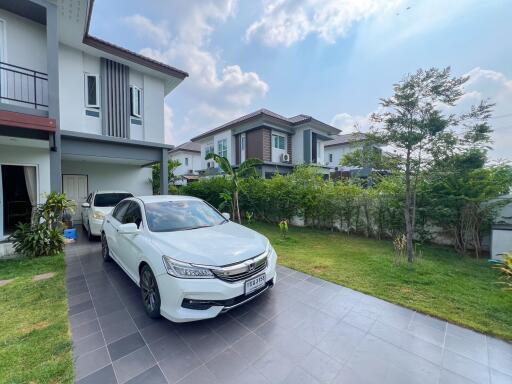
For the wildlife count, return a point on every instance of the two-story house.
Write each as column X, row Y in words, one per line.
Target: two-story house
column 281, row 143
column 77, row 113
column 342, row 145
column 189, row 156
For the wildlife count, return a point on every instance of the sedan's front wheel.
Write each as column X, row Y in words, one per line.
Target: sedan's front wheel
column 149, row 292
column 105, row 252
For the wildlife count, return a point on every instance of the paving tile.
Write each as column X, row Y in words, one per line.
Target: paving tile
column 133, row 364
column 316, row 327
column 113, row 331
column 226, row 365
column 232, row 331
column 251, row 347
column 180, row 365
column 125, row 346
column 77, row 308
column 473, row 348
column 209, row 347
column 82, row 318
column 300, row 376
column 105, row 308
column 341, row 341
column 152, row 375
column 249, row 375
column 498, row 377
column 168, row 346
column 448, row 377
column 465, row 367
column 252, row 320
column 80, row 298
column 321, row 366
column 85, row 329
column 104, row 376
column 157, row 331
column 91, row 362
column 88, row 344
column 359, row 321
column 200, row 375
column 500, row 360
column 499, row 345
column 275, row 366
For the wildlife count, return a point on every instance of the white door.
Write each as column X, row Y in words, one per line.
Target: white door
column 75, row 188
column 243, row 144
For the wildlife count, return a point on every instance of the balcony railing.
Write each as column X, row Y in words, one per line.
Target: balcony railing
column 23, row 86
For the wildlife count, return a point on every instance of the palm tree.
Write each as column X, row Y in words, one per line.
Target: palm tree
column 244, row 170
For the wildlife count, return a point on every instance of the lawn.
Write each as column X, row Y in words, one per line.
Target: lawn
column 35, row 343
column 442, row 283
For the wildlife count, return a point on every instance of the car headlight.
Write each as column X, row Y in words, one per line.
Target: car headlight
column 98, row 215
column 186, row 271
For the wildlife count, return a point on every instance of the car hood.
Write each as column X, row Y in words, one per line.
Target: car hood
column 104, row 210
column 218, row 245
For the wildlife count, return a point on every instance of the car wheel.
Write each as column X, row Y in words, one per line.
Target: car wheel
column 105, row 252
column 149, row 292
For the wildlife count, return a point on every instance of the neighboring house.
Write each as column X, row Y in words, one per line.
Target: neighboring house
column 336, row 149
column 280, row 142
column 77, row 113
column 189, row 156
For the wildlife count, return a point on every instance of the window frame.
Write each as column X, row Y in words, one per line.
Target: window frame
column 330, row 157
column 278, row 137
column 135, row 108
column 120, row 208
column 186, row 161
column 86, row 89
column 222, row 147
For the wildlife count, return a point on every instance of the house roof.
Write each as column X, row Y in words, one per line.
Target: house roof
column 116, row 50
column 346, row 139
column 291, row 121
column 188, row 146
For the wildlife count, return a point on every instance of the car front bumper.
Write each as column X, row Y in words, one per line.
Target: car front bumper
column 218, row 295
column 95, row 226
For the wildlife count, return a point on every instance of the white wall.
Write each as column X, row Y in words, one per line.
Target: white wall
column 153, row 109
column 338, row 151
column 73, row 64
column 26, row 42
column 130, row 178
column 298, row 146
column 214, row 139
column 194, row 162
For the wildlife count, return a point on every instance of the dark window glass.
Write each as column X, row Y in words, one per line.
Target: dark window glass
column 120, row 210
column 170, row 216
column 91, row 90
column 133, row 214
column 109, row 199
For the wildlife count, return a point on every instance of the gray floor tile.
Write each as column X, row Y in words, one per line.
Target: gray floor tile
column 157, row 331
column 449, row 377
column 226, row 365
column 152, row 375
column 232, row 331
column 316, row 327
column 472, row 348
column 468, row 368
column 88, row 344
column 500, row 360
column 359, row 321
column 249, row 375
column 104, row 376
column 251, row 347
column 77, row 299
column 82, row 318
column 274, row 365
column 168, row 346
column 300, row 376
column 133, row 364
column 125, row 346
column 252, row 320
column 200, row 375
column 209, row 347
column 85, row 329
column 498, row 377
column 341, row 341
column 91, row 362
column 180, row 365
column 320, row 366
column 113, row 331
column 78, row 308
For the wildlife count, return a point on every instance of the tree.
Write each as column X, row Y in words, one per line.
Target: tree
column 155, row 179
column 416, row 124
column 244, row 170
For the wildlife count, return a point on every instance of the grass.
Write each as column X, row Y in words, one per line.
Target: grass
column 35, row 343
column 441, row 283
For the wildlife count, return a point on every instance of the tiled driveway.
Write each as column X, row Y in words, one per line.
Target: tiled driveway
column 305, row 330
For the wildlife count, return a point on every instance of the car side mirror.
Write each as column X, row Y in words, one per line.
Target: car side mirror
column 128, row 229
column 226, row 215
column 86, row 205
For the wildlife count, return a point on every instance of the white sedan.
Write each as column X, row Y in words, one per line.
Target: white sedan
column 97, row 205
column 189, row 260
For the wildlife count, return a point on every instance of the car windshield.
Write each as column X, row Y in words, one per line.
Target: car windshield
column 168, row 216
column 109, row 199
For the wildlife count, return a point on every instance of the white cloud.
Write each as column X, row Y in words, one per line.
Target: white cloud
column 285, row 22
column 144, row 27
column 349, row 123
column 217, row 90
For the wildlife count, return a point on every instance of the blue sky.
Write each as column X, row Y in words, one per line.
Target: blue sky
column 332, row 59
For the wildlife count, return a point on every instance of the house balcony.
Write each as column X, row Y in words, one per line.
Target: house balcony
column 23, row 90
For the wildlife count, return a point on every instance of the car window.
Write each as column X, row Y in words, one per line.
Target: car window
column 120, row 210
column 109, row 199
column 133, row 214
column 167, row 216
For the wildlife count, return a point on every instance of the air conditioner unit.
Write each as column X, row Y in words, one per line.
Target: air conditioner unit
column 285, row 157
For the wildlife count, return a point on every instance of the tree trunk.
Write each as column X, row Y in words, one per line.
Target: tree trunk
column 409, row 225
column 236, row 208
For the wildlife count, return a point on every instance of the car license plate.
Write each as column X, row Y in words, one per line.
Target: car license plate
column 254, row 284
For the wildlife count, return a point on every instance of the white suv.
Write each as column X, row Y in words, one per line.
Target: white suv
column 97, row 206
column 189, row 260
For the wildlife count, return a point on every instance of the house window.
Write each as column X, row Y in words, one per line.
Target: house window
column 186, row 160
column 330, row 157
column 135, row 101
column 222, row 148
column 278, row 141
column 92, row 91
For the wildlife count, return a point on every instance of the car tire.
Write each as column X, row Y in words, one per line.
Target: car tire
column 149, row 292
column 105, row 251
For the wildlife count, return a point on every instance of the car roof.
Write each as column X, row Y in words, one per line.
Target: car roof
column 108, row 191
column 163, row 198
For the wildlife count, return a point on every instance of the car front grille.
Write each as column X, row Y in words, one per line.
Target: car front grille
column 243, row 270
